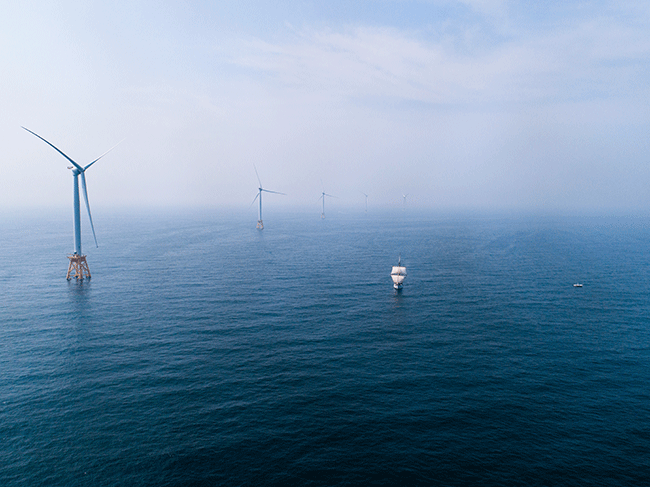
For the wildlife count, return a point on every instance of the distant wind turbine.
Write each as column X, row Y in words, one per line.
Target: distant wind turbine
column 78, row 267
column 366, row 200
column 260, row 224
column 404, row 202
column 323, row 194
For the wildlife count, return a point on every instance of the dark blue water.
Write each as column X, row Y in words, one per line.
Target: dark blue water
column 204, row 352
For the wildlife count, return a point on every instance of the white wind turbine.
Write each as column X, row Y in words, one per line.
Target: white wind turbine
column 260, row 224
column 322, row 196
column 78, row 266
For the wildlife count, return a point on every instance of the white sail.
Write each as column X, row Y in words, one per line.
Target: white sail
column 398, row 274
column 398, row 278
column 398, row 270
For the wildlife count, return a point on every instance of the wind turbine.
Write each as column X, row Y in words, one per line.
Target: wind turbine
column 366, row 200
column 404, row 202
column 322, row 215
column 260, row 225
column 78, row 267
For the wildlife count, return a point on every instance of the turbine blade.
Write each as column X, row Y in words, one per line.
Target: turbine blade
column 56, row 149
column 83, row 186
column 258, row 176
column 276, row 192
column 103, row 154
column 254, row 199
column 330, row 195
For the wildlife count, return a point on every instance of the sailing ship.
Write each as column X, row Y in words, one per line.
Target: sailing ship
column 398, row 274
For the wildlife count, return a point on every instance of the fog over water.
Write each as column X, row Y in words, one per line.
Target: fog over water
column 480, row 104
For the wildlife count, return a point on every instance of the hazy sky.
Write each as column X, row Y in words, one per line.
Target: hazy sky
column 474, row 103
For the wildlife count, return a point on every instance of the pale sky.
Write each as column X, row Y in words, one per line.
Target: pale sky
column 488, row 104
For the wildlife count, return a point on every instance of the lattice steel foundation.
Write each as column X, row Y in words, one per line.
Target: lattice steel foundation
column 78, row 268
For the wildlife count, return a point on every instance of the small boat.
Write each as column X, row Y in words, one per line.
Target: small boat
column 398, row 274
column 577, row 285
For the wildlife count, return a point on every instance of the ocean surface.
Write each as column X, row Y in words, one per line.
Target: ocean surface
column 205, row 352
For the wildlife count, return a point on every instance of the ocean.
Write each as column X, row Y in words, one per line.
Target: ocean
column 204, row 352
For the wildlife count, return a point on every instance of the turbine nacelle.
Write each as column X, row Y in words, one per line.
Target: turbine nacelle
column 75, row 170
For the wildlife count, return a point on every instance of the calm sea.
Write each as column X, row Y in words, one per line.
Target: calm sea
column 204, row 352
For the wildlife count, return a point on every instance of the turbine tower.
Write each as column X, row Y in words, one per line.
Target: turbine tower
column 260, row 224
column 366, row 200
column 404, row 201
column 78, row 267
column 322, row 215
